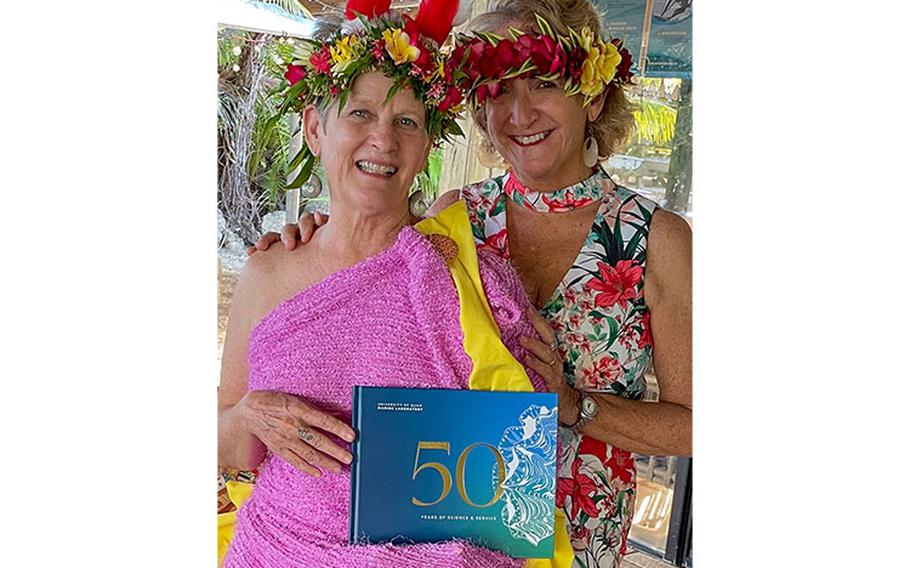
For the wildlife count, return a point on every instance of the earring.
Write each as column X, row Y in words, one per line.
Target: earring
column 312, row 188
column 591, row 151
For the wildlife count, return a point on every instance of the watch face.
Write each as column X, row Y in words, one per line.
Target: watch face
column 588, row 407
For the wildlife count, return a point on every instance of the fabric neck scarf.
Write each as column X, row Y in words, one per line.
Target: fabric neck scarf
column 568, row 198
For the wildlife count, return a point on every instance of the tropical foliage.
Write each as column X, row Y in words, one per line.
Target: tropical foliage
column 252, row 159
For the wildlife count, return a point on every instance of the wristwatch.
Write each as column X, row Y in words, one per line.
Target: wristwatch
column 587, row 410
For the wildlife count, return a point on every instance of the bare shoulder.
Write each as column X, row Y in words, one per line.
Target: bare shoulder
column 443, row 201
column 271, row 276
column 669, row 257
column 667, row 226
column 669, row 238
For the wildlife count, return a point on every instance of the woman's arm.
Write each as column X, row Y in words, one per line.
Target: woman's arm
column 237, row 446
column 251, row 421
column 665, row 427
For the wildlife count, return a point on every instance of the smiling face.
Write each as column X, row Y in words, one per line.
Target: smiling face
column 373, row 150
column 539, row 131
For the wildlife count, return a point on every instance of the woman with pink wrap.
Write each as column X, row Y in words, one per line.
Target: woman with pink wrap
column 368, row 301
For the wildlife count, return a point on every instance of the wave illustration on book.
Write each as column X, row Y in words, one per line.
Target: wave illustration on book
column 529, row 452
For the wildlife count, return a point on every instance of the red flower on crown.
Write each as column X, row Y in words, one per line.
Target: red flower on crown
column 294, row 74
column 368, row 8
column 575, row 60
column 505, row 56
column 547, row 55
column 623, row 70
column 321, row 60
column 452, row 98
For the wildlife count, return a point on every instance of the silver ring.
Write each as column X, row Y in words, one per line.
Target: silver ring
column 554, row 345
column 304, row 434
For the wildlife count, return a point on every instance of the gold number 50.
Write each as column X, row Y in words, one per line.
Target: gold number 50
column 459, row 473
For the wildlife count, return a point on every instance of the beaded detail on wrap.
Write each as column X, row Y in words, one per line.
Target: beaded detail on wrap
column 407, row 334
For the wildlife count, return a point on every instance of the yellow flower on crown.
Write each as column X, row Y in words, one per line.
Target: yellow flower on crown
column 599, row 68
column 398, row 44
column 591, row 80
column 343, row 50
column 607, row 62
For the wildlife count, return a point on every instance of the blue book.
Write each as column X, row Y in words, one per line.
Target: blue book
column 432, row 464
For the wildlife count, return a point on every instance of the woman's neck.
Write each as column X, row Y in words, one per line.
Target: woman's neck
column 352, row 236
column 555, row 180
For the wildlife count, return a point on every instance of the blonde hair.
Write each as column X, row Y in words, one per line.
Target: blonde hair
column 614, row 125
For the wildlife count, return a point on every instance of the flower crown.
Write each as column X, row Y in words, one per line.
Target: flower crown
column 587, row 63
column 404, row 49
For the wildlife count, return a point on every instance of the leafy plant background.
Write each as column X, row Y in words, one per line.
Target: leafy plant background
column 252, row 160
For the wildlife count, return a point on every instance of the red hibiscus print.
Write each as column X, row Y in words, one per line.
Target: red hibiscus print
column 498, row 243
column 593, row 447
column 616, row 284
column 566, row 203
column 603, row 373
column 579, row 488
column 645, row 338
column 621, row 466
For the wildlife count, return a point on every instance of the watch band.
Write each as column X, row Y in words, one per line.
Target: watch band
column 577, row 418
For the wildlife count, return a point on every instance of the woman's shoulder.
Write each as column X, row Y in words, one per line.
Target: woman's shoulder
column 274, row 275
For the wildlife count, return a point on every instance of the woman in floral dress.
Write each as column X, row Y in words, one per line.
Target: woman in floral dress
column 609, row 271
column 583, row 247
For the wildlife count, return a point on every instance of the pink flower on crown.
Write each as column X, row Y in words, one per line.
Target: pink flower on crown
column 378, row 50
column 321, row 60
column 436, row 90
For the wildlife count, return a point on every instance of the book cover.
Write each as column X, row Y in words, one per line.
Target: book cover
column 432, row 465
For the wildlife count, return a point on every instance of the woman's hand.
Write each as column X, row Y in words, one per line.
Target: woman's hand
column 303, row 231
column 543, row 357
column 296, row 431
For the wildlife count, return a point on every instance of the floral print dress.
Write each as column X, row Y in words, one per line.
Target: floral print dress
column 602, row 327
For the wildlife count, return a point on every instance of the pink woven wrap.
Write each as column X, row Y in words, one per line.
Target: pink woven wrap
column 391, row 320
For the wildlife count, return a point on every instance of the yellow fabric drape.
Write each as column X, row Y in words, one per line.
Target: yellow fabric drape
column 239, row 492
column 494, row 367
